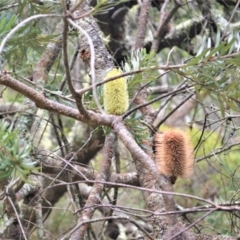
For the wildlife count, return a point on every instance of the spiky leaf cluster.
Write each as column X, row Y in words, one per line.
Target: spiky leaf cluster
column 13, row 157
column 140, row 59
column 29, row 40
column 138, row 129
column 215, row 72
column 104, row 6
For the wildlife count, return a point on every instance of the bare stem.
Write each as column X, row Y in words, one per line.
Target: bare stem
column 94, row 196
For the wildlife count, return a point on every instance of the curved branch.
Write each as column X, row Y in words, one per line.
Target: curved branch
column 42, row 102
column 94, row 196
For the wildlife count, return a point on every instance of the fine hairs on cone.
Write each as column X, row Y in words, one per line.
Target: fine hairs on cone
column 115, row 93
column 174, row 153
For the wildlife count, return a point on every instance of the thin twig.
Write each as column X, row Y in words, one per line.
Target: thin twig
column 21, row 24
column 78, row 97
column 229, row 21
column 16, row 212
column 152, row 191
column 91, row 221
column 174, row 109
column 141, row 229
column 218, row 152
column 74, row 57
column 152, row 101
column 76, row 6
column 44, row 103
column 191, row 225
column 94, row 196
column 164, row 20
column 92, row 63
column 118, row 169
column 8, row 7
column 39, row 217
column 65, row 54
column 145, row 69
column 55, row 130
column 155, row 124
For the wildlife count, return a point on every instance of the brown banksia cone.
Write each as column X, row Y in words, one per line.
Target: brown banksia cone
column 174, row 154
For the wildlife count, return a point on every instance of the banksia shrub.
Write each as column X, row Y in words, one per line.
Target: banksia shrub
column 115, row 94
column 13, row 158
column 174, row 154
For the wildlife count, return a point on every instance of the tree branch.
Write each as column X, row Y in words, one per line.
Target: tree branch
column 42, row 102
column 142, row 23
column 163, row 23
column 94, row 196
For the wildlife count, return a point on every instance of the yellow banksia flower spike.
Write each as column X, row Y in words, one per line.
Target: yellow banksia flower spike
column 115, row 93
